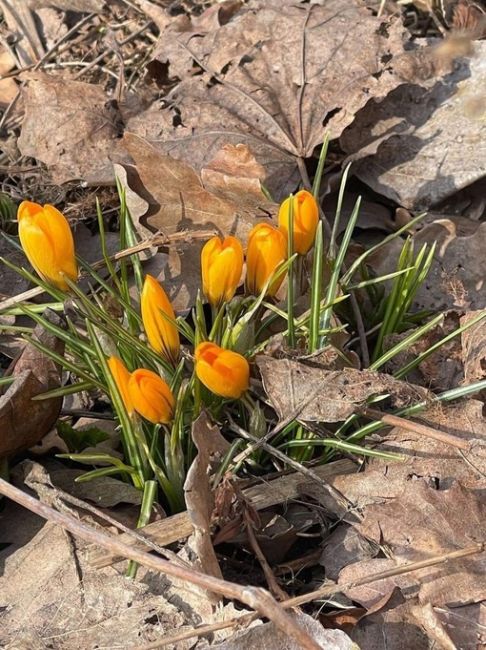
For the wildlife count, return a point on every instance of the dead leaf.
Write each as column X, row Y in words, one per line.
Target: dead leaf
column 431, row 623
column 198, row 492
column 465, row 625
column 50, row 597
column 344, row 546
column 167, row 195
column 434, row 139
column 71, row 126
column 275, row 77
column 424, row 458
column 34, row 373
column 441, row 370
column 424, row 522
column 311, row 393
column 394, row 629
column 268, row 637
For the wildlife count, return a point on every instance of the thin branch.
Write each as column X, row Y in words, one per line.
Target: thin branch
column 415, row 427
column 256, row 598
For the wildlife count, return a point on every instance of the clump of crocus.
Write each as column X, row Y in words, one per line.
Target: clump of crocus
column 48, row 243
column 224, row 372
column 121, row 375
column 151, row 396
column 221, row 267
column 305, row 219
column 267, row 249
column 159, row 320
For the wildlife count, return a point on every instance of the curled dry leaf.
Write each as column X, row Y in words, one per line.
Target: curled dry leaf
column 24, row 422
column 276, row 76
column 427, row 143
column 198, row 492
column 309, row 392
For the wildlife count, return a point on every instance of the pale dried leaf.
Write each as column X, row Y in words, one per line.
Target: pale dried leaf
column 267, row 637
column 198, row 492
column 86, row 6
column 314, row 394
column 71, row 127
column 434, row 138
column 344, row 546
column 8, row 87
column 49, row 597
column 287, row 73
column 167, row 195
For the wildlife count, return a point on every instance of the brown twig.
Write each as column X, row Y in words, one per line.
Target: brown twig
column 325, row 592
column 256, row 598
column 272, row 581
column 415, row 427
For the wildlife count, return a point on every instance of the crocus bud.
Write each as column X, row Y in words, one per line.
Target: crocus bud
column 224, row 372
column 48, row 243
column 306, row 218
column 267, row 248
column 121, row 376
column 151, row 396
column 159, row 320
column 221, row 267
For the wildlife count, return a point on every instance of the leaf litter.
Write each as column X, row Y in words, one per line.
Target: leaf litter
column 247, row 91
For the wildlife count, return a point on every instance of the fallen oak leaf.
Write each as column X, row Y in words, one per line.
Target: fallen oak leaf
column 337, row 394
column 23, row 422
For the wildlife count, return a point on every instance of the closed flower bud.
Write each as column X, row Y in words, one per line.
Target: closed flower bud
column 121, row 376
column 267, row 249
column 159, row 320
column 48, row 243
column 221, row 267
column 151, row 396
column 224, row 372
column 305, row 217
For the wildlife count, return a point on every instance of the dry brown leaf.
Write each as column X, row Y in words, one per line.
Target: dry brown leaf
column 456, row 279
column 267, row 637
column 164, row 194
column 34, row 373
column 344, row 546
column 276, row 77
column 71, row 127
column 425, row 522
column 434, row 461
column 199, row 497
column 441, row 370
column 311, row 393
column 50, row 597
column 434, row 138
column 465, row 625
